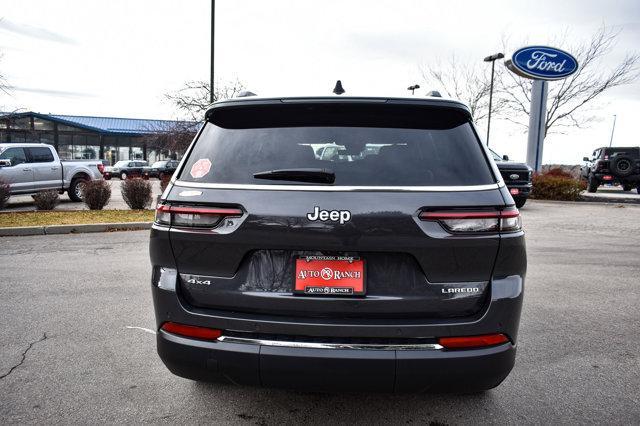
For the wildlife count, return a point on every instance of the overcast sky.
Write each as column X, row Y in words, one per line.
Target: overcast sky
column 118, row 58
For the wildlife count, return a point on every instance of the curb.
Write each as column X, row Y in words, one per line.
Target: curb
column 596, row 199
column 74, row 229
column 583, row 202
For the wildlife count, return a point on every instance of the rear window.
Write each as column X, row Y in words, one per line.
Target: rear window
column 633, row 152
column 363, row 146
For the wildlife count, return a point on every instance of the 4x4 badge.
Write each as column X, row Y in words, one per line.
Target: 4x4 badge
column 341, row 216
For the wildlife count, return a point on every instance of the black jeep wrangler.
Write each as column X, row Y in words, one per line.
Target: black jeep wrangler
column 616, row 165
column 517, row 177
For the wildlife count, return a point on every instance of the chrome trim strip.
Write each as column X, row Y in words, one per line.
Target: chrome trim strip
column 340, row 188
column 312, row 345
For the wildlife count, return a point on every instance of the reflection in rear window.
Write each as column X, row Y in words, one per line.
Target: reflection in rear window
column 358, row 155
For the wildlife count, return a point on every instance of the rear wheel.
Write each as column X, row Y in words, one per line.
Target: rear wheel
column 75, row 189
column 626, row 187
column 592, row 184
column 638, row 188
column 520, row 201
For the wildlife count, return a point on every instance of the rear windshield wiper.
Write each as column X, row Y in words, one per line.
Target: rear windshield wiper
column 301, row 175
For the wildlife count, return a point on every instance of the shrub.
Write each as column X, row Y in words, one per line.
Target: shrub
column 136, row 193
column 556, row 186
column 558, row 172
column 96, row 194
column 46, row 200
column 5, row 192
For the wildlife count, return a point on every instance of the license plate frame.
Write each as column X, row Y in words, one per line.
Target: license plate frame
column 316, row 276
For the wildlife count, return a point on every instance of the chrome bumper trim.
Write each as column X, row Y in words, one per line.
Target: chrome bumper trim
column 313, row 345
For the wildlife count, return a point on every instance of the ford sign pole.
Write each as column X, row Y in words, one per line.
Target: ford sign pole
column 537, row 123
column 540, row 63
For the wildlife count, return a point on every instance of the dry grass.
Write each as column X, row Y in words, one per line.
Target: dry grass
column 61, row 217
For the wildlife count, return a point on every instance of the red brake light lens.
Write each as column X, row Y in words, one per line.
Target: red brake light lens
column 193, row 216
column 469, row 342
column 193, row 331
column 476, row 221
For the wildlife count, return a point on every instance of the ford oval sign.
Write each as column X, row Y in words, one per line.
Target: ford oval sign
column 542, row 63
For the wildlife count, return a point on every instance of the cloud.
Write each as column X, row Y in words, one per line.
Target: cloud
column 34, row 32
column 56, row 93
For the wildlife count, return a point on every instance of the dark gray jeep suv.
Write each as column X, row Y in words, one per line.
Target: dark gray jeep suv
column 334, row 244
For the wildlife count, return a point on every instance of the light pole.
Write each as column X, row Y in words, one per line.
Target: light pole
column 491, row 59
column 612, row 130
column 213, row 30
column 413, row 88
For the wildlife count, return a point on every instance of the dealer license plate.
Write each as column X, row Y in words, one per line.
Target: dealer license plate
column 329, row 276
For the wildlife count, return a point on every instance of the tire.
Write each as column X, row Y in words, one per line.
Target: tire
column 622, row 166
column 626, row 187
column 638, row 189
column 592, row 184
column 520, row 201
column 75, row 189
column 5, row 201
column 161, row 176
column 123, row 176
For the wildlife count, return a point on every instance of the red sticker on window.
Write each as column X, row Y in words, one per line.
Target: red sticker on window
column 200, row 168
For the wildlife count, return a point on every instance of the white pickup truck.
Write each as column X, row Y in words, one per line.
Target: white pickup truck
column 32, row 167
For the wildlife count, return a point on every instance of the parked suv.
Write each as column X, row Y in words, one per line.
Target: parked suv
column 400, row 270
column 517, row 177
column 614, row 165
column 161, row 169
column 125, row 168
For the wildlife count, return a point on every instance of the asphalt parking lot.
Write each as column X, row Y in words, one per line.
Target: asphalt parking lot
column 68, row 356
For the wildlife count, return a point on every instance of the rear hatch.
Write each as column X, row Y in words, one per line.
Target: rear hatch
column 282, row 206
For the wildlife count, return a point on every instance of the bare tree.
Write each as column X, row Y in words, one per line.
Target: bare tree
column 467, row 83
column 569, row 100
column 4, row 86
column 171, row 136
column 193, row 99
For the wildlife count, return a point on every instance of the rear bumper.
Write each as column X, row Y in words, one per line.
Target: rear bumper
column 523, row 189
column 434, row 370
column 332, row 370
column 616, row 179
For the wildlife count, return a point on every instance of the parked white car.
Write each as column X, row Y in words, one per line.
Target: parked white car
column 29, row 168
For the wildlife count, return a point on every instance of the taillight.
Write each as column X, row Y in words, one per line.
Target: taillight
column 193, row 331
column 514, row 191
column 101, row 168
column 468, row 342
column 476, row 221
column 607, row 177
column 193, row 216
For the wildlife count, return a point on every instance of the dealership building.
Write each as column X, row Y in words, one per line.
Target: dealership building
column 89, row 138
